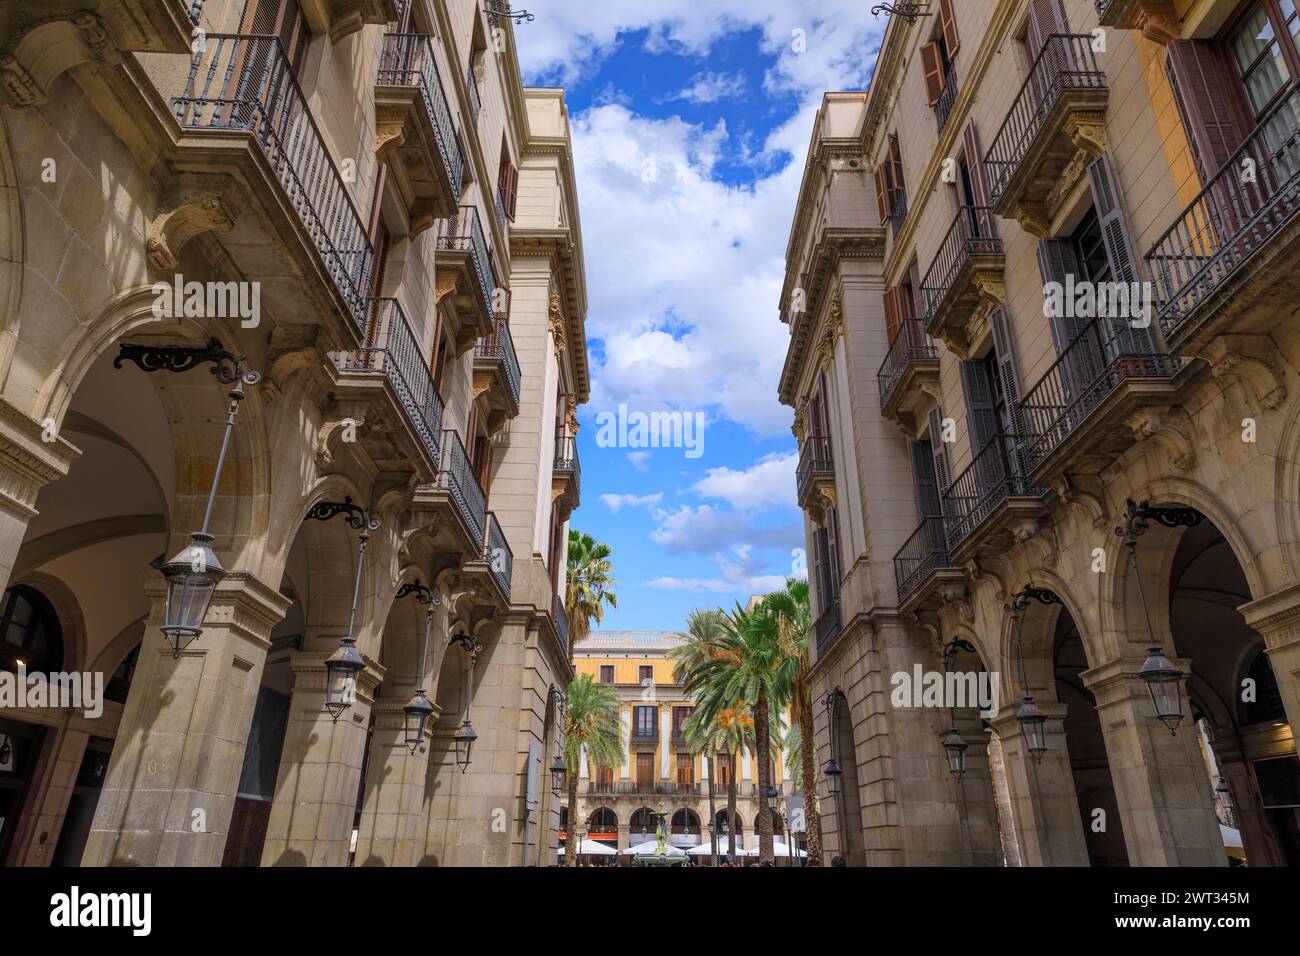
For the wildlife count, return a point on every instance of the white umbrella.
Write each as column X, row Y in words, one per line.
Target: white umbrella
column 652, row 846
column 706, row 849
column 778, row 849
column 592, row 848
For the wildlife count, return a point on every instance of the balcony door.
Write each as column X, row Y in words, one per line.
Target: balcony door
column 282, row 19
column 645, row 771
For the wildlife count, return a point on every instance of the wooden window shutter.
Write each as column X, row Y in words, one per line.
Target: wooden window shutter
column 882, row 194
column 1057, row 261
column 833, row 552
column 923, row 480
column 949, row 25
column 932, row 69
column 512, row 194
column 893, row 314
column 981, row 416
column 1004, row 347
column 896, row 165
column 1119, row 250
column 1045, row 18
column 1205, row 91
column 975, row 170
column 942, row 476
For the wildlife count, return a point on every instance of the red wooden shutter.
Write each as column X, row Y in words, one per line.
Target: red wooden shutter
column 932, row 69
column 893, row 317
column 949, row 24
column 1206, row 93
column 975, row 168
column 896, row 165
column 882, row 194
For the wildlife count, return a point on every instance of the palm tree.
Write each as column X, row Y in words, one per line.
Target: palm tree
column 748, row 667
column 795, row 624
column 589, row 585
column 590, row 724
column 729, row 732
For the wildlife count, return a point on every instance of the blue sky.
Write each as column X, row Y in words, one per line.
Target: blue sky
column 691, row 121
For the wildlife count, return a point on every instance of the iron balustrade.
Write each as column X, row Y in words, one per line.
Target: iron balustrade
column 391, row 348
column 898, row 215
column 502, row 219
column 827, row 626
column 922, row 554
column 815, row 460
column 497, row 554
column 561, row 618
column 407, row 59
column 910, row 345
column 566, row 456
column 996, row 473
column 500, row 345
column 457, row 478
column 972, row 233
column 244, row 82
column 1066, row 62
column 943, row 106
column 464, row 233
column 1242, row 207
column 1098, row 360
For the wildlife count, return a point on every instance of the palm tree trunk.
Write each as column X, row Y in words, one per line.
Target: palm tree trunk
column 732, row 829
column 709, row 767
column 763, row 745
column 812, row 817
column 571, row 839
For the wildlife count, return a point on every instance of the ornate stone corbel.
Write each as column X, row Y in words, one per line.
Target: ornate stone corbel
column 1042, row 533
column 20, row 86
column 331, row 433
column 1071, row 495
column 558, row 327
column 834, row 328
column 800, row 426
column 1159, row 22
column 977, row 573
column 98, row 40
column 1169, row 426
column 191, row 208
column 1034, row 218
column 1087, row 131
column 571, row 415
column 445, row 283
column 955, row 596
column 1254, row 360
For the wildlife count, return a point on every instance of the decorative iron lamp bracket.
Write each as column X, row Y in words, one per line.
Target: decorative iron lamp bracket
column 227, row 367
column 501, row 11
column 1020, row 600
column 423, row 595
column 358, row 518
column 908, row 11
column 1138, row 518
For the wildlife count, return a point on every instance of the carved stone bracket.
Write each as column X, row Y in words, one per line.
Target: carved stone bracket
column 1070, row 493
column 1254, row 360
column 955, row 596
column 1169, row 426
column 187, row 210
column 50, row 48
column 978, row 572
column 1040, row 533
column 331, row 433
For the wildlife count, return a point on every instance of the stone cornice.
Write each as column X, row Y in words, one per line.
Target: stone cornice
column 27, row 461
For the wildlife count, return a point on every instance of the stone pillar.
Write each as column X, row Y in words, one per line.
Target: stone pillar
column 171, row 782
column 28, row 462
column 1277, row 618
column 320, row 767
column 1044, row 802
column 38, row 831
column 1161, row 783
column 394, row 789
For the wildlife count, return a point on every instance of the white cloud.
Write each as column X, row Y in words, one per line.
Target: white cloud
column 738, row 574
column 709, row 87
column 710, row 530
column 769, row 483
column 616, row 503
column 640, row 460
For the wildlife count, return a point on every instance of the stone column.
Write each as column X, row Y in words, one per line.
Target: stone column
column 38, row 832
column 320, row 767
column 1044, row 802
column 171, row 781
column 31, row 456
column 1277, row 618
column 1161, row 783
column 394, row 789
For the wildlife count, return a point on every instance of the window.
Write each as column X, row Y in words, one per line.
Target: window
column 645, row 770
column 29, row 632
column 1263, row 50
column 645, row 674
column 605, row 777
column 643, row 722
column 891, row 192
column 607, row 673
column 508, row 184
column 936, row 56
column 680, row 715
column 685, row 770
column 282, row 19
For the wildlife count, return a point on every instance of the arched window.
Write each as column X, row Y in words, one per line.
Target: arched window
column 1267, row 704
column 29, row 632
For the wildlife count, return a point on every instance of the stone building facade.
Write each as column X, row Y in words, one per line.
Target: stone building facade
column 971, row 428
column 659, row 774
column 382, row 221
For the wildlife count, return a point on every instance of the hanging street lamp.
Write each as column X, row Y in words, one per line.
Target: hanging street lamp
column 466, row 736
column 417, row 712
column 832, row 773
column 1163, row 679
column 194, row 573
column 954, row 747
column 559, row 770
column 558, row 773
column 1031, row 719
column 831, row 770
column 1032, row 728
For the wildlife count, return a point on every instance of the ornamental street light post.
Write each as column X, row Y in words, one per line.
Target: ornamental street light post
column 465, row 735
column 418, row 710
column 1031, row 719
column 954, row 746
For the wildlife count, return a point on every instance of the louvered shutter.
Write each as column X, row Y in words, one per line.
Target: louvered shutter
column 982, row 220
column 882, row 194
column 1045, row 18
column 924, row 481
column 932, row 70
column 948, row 23
column 1120, row 333
column 980, row 412
column 893, row 317
column 1057, row 262
column 1204, row 89
column 942, row 476
column 1004, row 348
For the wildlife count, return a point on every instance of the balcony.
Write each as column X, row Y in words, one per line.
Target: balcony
column 827, row 626
column 988, row 497
column 1077, row 416
column 496, row 375
column 340, row 18
column 646, row 735
column 910, row 370
column 964, row 280
column 391, row 353
column 1229, row 262
column 463, row 261
column 415, row 129
column 922, row 562
column 566, row 478
column 943, row 107
column 498, row 558
column 243, row 115
column 815, row 476
column 453, row 506
column 1055, row 127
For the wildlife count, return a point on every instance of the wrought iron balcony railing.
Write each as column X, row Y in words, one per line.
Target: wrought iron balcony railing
column 997, row 472
column 972, row 233
column 464, row 233
column 245, row 82
column 943, row 108
column 815, row 461
column 407, row 59
column 496, row 552
column 1066, row 62
column 499, row 345
column 1107, row 353
column 456, row 476
column 645, row 734
column 827, row 626
column 910, row 345
column 924, row 552
column 503, row 220
column 1232, row 218
column 898, row 214
column 566, row 456
column 390, row 347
